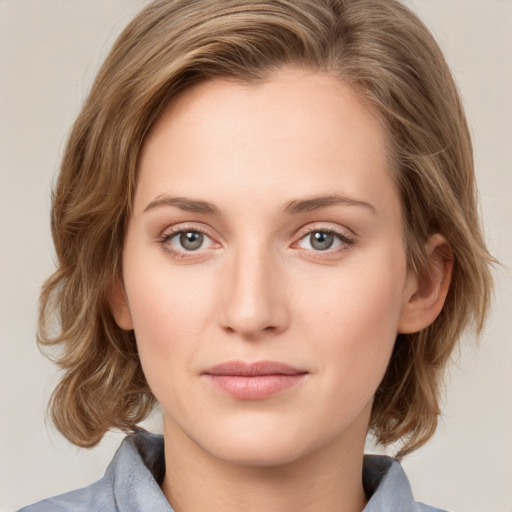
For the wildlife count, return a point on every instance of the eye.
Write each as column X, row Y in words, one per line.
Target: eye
column 189, row 240
column 321, row 241
column 324, row 240
column 180, row 242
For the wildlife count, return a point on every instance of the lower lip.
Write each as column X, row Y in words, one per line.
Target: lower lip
column 255, row 387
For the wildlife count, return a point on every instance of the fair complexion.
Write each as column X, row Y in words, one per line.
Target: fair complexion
column 267, row 227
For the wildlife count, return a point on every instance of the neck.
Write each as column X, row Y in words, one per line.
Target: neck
column 327, row 479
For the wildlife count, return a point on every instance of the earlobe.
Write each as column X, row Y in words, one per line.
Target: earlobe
column 119, row 306
column 427, row 295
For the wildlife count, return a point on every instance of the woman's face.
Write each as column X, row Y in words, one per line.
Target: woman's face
column 264, row 267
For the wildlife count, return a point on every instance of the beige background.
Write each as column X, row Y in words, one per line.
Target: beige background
column 49, row 51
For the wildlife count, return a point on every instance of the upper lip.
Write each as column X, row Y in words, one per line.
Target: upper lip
column 244, row 369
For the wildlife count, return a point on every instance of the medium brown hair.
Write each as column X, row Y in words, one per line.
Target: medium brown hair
column 377, row 47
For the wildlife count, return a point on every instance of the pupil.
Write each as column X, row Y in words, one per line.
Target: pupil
column 321, row 241
column 191, row 240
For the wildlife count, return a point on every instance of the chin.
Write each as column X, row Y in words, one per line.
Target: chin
column 253, row 452
column 259, row 443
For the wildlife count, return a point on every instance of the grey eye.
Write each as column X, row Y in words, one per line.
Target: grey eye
column 191, row 240
column 321, row 241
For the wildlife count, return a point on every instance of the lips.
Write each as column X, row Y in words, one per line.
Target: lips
column 253, row 381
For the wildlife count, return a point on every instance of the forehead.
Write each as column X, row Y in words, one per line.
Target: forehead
column 299, row 130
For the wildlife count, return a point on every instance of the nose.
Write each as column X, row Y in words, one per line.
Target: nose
column 254, row 301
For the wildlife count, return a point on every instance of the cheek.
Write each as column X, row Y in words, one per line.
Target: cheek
column 353, row 317
column 170, row 309
column 358, row 298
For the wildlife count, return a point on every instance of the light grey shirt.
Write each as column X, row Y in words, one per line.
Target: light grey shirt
column 132, row 484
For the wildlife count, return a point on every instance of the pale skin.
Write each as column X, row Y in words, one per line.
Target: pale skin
column 294, row 254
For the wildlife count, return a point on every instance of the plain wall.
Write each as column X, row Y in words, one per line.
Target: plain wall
column 49, row 52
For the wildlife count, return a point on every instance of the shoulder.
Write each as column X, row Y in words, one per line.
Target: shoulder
column 97, row 496
column 388, row 488
column 427, row 508
column 131, row 482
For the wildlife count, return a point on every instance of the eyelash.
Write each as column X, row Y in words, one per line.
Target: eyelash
column 171, row 233
column 346, row 241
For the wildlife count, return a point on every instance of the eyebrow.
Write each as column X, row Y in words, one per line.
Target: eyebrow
column 184, row 203
column 293, row 207
column 317, row 203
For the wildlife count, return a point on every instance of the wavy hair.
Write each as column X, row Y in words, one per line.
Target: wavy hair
column 377, row 47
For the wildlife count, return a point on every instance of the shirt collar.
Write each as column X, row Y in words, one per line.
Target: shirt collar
column 138, row 469
column 386, row 485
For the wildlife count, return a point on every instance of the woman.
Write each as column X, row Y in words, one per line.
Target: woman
column 265, row 221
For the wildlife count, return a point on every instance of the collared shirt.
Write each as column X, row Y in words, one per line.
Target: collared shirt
column 132, row 484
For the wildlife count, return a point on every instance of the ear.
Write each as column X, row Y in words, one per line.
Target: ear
column 425, row 298
column 119, row 306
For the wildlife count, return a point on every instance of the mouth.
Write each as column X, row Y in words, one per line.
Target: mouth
column 253, row 381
